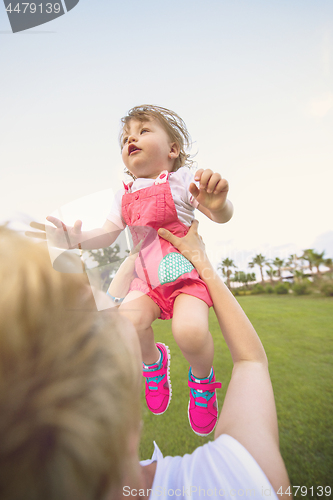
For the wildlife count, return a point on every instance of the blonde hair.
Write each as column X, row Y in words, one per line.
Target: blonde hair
column 67, row 383
column 174, row 126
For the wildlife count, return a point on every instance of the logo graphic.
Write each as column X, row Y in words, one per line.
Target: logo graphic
column 25, row 15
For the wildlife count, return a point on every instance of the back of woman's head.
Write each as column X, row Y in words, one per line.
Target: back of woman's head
column 67, row 403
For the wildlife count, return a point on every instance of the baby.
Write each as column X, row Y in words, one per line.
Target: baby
column 163, row 194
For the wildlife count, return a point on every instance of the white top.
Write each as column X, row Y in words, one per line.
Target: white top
column 219, row 469
column 179, row 182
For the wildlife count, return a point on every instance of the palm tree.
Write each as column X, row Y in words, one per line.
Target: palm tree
column 241, row 277
column 278, row 263
column 298, row 274
column 259, row 260
column 309, row 255
column 292, row 262
column 271, row 273
column 250, row 277
column 225, row 268
column 329, row 263
column 318, row 259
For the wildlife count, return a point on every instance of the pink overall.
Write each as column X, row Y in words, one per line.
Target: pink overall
column 162, row 271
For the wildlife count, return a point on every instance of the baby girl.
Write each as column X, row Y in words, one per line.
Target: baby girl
column 163, row 194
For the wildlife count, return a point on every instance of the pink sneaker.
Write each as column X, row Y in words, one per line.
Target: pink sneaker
column 158, row 385
column 202, row 407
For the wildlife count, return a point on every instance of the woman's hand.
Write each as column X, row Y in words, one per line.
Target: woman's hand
column 191, row 246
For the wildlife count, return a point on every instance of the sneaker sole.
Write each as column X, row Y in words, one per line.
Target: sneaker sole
column 168, row 378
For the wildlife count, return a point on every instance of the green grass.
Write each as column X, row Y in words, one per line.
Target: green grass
column 297, row 333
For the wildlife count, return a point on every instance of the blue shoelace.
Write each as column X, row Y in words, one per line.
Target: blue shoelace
column 154, row 379
column 207, row 395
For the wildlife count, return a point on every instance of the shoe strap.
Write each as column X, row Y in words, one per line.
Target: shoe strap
column 204, row 387
column 153, row 373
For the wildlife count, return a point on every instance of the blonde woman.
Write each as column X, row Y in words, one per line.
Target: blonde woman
column 69, row 394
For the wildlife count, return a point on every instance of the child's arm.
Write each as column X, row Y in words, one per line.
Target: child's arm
column 63, row 236
column 212, row 195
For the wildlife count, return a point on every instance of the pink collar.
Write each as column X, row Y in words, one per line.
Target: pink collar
column 163, row 177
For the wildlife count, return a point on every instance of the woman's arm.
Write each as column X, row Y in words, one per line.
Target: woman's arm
column 121, row 282
column 248, row 413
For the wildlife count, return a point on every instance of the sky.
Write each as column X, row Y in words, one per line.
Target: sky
column 253, row 80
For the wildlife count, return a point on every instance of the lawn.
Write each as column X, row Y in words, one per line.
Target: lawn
column 297, row 334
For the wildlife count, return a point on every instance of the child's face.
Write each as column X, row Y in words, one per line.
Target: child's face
column 147, row 149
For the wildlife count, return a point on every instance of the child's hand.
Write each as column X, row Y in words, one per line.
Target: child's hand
column 213, row 190
column 61, row 236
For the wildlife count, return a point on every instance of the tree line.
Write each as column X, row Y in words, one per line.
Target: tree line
column 109, row 260
column 304, row 269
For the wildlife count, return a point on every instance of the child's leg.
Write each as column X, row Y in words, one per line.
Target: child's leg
column 141, row 310
column 190, row 330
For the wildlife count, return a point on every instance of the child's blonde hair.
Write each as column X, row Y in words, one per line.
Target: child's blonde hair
column 172, row 123
column 68, row 397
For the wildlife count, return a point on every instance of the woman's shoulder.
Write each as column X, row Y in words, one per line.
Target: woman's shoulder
column 222, row 464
